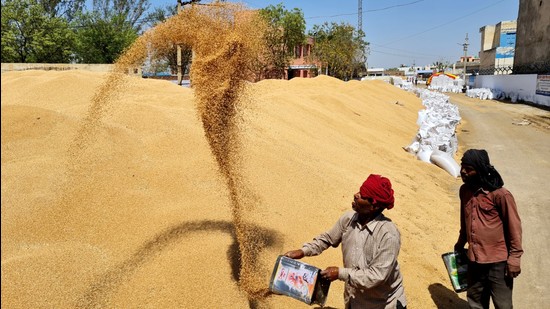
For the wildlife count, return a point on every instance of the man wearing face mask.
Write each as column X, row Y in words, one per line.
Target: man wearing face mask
column 370, row 246
column 490, row 224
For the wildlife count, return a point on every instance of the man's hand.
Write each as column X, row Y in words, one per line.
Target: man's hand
column 295, row 254
column 331, row 273
column 512, row 271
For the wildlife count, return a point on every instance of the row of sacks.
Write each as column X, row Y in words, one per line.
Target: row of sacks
column 403, row 84
column 495, row 94
column 480, row 93
column 436, row 140
column 444, row 83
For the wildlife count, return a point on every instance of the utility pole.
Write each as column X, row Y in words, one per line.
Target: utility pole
column 465, row 45
column 360, row 16
column 362, row 55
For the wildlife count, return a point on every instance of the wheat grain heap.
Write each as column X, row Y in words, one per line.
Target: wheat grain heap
column 122, row 192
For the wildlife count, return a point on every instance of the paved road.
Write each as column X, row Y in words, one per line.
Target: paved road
column 517, row 138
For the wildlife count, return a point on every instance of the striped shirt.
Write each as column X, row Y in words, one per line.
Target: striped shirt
column 371, row 272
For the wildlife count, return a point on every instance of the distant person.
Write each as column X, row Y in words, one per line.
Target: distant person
column 490, row 224
column 370, row 246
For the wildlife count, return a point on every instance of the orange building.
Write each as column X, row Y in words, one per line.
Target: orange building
column 301, row 65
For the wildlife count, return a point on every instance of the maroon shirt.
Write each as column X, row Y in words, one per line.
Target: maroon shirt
column 490, row 223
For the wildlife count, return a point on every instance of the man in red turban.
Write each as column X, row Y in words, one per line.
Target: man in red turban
column 370, row 246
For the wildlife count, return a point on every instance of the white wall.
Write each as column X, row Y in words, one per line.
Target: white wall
column 517, row 87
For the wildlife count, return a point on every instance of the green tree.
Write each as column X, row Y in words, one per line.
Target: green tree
column 286, row 30
column 102, row 39
column 339, row 48
column 359, row 67
column 131, row 11
column 105, row 33
column 66, row 9
column 159, row 15
column 31, row 35
column 441, row 65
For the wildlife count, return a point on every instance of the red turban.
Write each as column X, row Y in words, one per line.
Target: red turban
column 379, row 189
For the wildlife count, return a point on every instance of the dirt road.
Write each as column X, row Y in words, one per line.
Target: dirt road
column 517, row 138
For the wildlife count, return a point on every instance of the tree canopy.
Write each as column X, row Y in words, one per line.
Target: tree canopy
column 102, row 39
column 131, row 11
column 67, row 9
column 103, row 34
column 286, row 30
column 31, row 34
column 340, row 48
column 61, row 31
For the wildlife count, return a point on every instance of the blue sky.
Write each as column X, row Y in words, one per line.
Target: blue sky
column 407, row 32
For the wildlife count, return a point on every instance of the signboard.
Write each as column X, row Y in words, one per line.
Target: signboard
column 505, row 52
column 507, row 45
column 508, row 38
column 543, row 85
